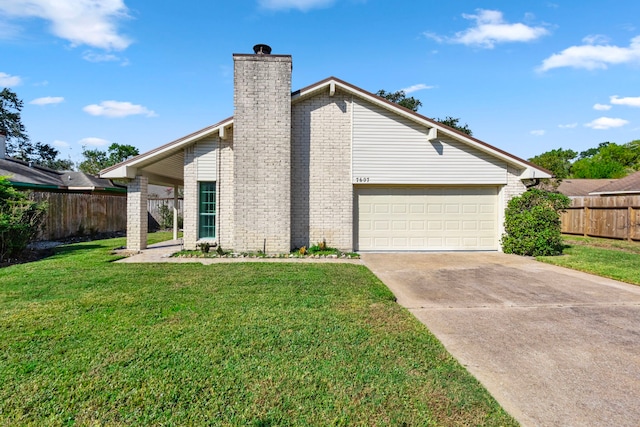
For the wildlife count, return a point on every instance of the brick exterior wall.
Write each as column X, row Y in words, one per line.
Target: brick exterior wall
column 225, row 189
column 190, row 216
column 137, row 220
column 514, row 187
column 322, row 193
column 262, row 153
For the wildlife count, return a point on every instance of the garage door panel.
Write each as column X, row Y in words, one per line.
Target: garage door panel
column 427, row 218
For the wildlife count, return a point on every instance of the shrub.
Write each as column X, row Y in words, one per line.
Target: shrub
column 20, row 219
column 166, row 217
column 532, row 223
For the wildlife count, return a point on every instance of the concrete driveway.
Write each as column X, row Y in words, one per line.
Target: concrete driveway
column 554, row 346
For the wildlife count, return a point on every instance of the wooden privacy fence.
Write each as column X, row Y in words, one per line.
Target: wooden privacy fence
column 158, row 210
column 74, row 214
column 615, row 217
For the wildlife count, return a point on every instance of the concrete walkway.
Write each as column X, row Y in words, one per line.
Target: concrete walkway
column 554, row 346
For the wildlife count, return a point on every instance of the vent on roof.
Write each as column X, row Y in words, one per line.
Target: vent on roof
column 262, row 49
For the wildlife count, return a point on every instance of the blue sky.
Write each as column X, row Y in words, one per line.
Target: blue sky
column 527, row 77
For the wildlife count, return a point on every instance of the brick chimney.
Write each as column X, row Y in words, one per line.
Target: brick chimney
column 262, row 151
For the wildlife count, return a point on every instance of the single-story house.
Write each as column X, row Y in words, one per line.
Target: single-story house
column 627, row 186
column 582, row 187
column 77, row 203
column 330, row 162
column 27, row 176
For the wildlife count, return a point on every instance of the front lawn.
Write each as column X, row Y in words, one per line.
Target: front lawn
column 84, row 341
column 616, row 259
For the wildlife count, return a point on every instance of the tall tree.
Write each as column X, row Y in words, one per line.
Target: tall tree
column 400, row 98
column 608, row 160
column 95, row 160
column 19, row 145
column 11, row 121
column 454, row 123
column 557, row 161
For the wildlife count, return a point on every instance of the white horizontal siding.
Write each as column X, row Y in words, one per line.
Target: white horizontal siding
column 206, row 159
column 390, row 149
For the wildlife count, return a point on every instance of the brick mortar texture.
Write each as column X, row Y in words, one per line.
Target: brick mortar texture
column 321, row 188
column 137, row 221
column 262, row 153
column 190, row 216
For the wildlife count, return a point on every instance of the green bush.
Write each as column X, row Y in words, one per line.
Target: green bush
column 20, row 219
column 532, row 223
column 166, row 217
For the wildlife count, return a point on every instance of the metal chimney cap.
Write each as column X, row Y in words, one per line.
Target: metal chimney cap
column 262, row 49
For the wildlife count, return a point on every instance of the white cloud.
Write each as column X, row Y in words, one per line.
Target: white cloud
column 568, row 126
column 629, row 101
column 596, row 39
column 117, row 109
column 47, row 100
column 606, row 123
column 490, row 29
column 61, row 144
column 82, row 22
column 417, row 87
column 593, row 56
column 94, row 142
column 602, row 107
column 7, row 80
column 302, row 5
column 538, row 132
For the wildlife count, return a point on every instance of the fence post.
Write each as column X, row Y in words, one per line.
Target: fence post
column 586, row 222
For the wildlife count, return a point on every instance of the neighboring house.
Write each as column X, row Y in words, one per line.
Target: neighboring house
column 582, row 187
column 77, row 203
column 328, row 162
column 627, row 186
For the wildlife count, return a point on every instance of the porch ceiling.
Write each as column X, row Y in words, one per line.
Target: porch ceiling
column 168, row 171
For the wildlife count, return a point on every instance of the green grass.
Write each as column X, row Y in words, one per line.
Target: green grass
column 84, row 341
column 616, row 259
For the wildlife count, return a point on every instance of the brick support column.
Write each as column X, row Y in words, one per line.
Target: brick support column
column 137, row 219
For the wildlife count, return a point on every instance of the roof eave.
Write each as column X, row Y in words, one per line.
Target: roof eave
column 128, row 168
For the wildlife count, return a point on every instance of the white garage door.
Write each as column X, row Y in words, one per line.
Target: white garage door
column 427, row 218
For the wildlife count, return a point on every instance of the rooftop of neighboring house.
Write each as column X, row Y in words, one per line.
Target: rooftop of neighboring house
column 582, row 187
column 627, row 185
column 35, row 177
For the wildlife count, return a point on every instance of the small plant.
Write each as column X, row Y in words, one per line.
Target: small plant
column 303, row 251
column 220, row 251
column 204, row 247
column 322, row 245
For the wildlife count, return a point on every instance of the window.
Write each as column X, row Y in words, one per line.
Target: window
column 207, row 210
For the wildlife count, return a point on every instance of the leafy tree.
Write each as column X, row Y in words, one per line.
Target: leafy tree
column 400, row 98
column 557, row 161
column 608, row 160
column 594, row 168
column 20, row 219
column 532, row 223
column 11, row 121
column 95, row 160
column 19, row 145
column 454, row 123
